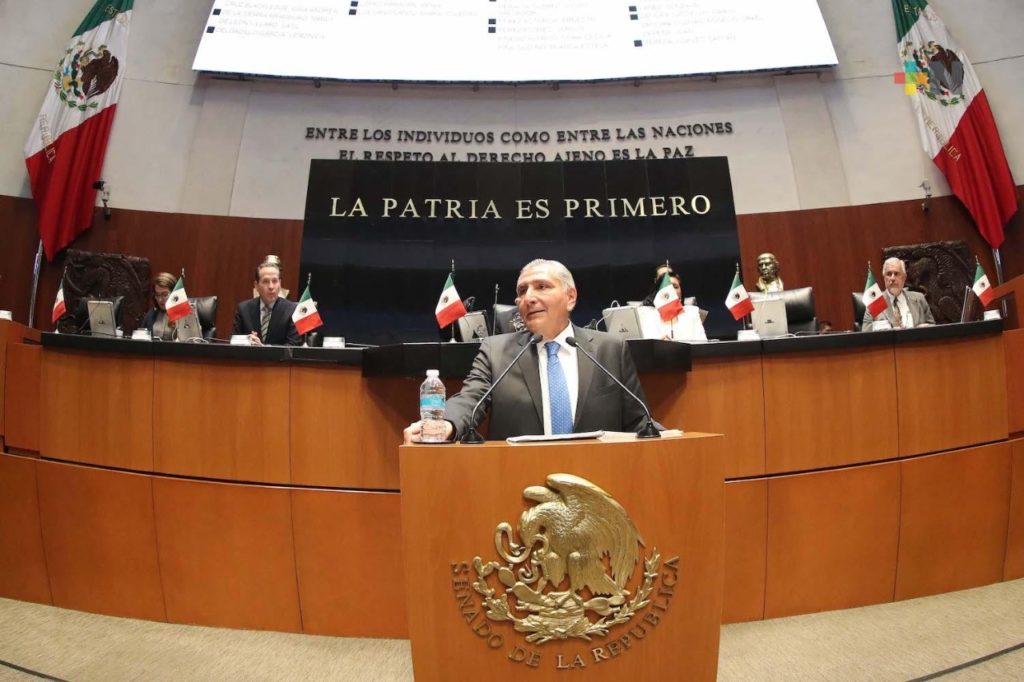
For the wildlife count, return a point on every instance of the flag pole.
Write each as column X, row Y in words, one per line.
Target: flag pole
column 305, row 337
column 997, row 257
column 453, row 282
column 36, row 267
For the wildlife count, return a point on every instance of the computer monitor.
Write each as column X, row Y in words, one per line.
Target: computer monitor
column 972, row 308
column 102, row 320
column 472, row 326
column 769, row 316
column 623, row 320
column 188, row 329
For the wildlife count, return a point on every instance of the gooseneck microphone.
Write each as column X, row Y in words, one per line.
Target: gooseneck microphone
column 648, row 430
column 473, row 437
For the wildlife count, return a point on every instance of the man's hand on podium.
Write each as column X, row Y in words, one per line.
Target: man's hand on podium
column 413, row 433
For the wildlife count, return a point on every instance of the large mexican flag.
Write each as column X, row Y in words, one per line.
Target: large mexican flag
column 956, row 124
column 65, row 149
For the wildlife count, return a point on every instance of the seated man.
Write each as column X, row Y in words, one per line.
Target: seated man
column 267, row 319
column 906, row 308
column 553, row 388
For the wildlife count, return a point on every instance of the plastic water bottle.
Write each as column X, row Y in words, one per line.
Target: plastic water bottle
column 432, row 408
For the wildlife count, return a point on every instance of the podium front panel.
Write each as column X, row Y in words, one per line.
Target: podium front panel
column 549, row 600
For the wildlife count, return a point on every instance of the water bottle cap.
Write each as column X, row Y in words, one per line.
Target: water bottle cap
column 432, row 373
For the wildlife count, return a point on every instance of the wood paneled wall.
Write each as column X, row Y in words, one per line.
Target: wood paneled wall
column 825, row 248
column 219, row 254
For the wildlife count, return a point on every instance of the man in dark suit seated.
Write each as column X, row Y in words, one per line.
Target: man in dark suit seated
column 553, row 388
column 906, row 308
column 267, row 319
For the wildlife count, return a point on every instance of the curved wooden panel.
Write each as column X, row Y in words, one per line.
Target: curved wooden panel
column 226, row 554
column 1014, row 567
column 953, row 520
column 454, row 496
column 348, row 553
column 746, row 549
column 22, row 561
column 21, row 397
column 221, row 420
column 345, row 430
column 5, row 333
column 100, row 540
column 817, row 408
column 1013, row 343
column 105, row 408
column 832, row 539
column 721, row 395
column 951, row 393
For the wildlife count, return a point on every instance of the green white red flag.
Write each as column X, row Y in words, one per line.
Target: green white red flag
column 449, row 305
column 738, row 301
column 59, row 307
column 667, row 300
column 306, row 317
column 64, row 152
column 873, row 299
column 982, row 288
column 957, row 129
column 177, row 303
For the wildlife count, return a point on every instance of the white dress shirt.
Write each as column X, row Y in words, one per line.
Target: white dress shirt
column 570, row 368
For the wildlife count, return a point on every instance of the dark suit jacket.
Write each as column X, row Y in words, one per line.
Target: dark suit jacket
column 282, row 330
column 516, row 405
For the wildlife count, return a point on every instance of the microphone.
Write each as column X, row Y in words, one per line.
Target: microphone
column 473, row 436
column 648, row 430
column 494, row 312
column 469, row 303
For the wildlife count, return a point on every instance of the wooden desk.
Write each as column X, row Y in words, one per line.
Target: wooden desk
column 795, row 542
column 105, row 403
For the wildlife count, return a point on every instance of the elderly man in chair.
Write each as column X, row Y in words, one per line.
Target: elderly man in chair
column 906, row 308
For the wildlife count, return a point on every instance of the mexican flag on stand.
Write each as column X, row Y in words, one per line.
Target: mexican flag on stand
column 667, row 300
column 873, row 299
column 738, row 301
column 177, row 303
column 306, row 317
column 64, row 152
column 449, row 306
column 59, row 308
column 982, row 289
column 957, row 129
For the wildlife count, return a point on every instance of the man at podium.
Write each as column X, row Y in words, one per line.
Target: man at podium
column 552, row 388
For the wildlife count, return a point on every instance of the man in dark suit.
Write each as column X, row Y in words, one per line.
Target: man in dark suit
column 267, row 319
column 553, row 388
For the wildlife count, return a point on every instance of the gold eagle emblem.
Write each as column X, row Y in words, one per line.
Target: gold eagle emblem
column 568, row 571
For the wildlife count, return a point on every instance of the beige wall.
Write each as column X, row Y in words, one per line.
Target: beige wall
column 188, row 143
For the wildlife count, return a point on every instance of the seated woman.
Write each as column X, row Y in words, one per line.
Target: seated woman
column 687, row 325
column 156, row 319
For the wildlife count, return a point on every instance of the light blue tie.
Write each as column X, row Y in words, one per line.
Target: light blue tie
column 558, row 392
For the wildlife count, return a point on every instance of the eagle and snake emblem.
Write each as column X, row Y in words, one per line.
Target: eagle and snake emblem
column 84, row 73
column 566, row 575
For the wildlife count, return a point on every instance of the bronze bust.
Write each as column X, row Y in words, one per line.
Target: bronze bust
column 768, row 267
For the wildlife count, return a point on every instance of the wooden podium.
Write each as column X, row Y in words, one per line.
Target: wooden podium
column 510, row 557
